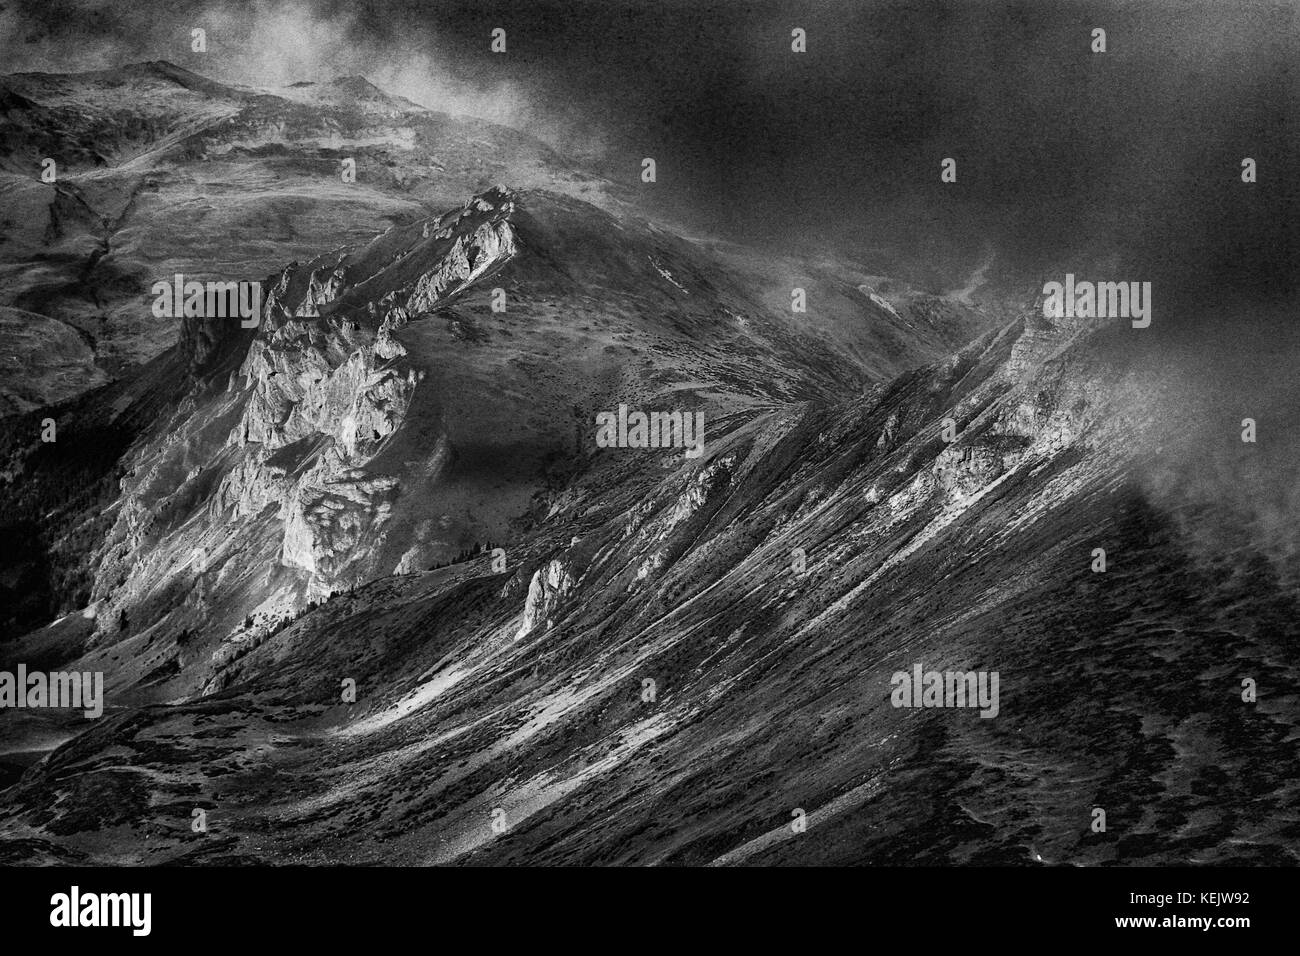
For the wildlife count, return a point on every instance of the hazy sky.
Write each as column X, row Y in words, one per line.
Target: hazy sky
column 1063, row 155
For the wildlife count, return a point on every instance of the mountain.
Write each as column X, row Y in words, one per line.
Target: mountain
column 217, row 182
column 160, row 171
column 517, row 695
column 365, row 587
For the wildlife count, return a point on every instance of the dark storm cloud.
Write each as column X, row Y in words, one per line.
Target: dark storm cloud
column 1064, row 156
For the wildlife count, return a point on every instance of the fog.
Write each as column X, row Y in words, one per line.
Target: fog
column 1126, row 161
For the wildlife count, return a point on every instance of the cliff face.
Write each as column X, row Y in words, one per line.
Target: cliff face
column 547, row 590
column 270, row 474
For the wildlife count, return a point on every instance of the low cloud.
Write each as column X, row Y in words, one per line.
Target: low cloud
column 269, row 43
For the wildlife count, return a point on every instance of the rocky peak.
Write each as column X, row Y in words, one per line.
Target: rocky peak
column 312, row 396
column 547, row 589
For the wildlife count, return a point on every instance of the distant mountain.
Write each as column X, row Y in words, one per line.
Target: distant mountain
column 161, row 171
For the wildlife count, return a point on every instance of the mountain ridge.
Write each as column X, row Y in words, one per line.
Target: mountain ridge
column 560, row 653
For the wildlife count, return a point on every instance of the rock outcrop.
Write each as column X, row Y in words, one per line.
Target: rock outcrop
column 284, row 457
column 547, row 589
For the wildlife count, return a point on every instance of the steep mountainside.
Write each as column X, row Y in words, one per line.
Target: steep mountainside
column 365, row 587
column 384, row 418
column 680, row 655
column 213, row 181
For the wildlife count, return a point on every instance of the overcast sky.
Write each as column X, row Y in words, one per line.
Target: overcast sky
column 1061, row 152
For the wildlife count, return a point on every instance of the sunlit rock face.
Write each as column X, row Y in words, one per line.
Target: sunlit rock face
column 547, row 589
column 282, row 457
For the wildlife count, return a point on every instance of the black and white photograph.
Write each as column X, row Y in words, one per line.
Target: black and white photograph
column 852, row 436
